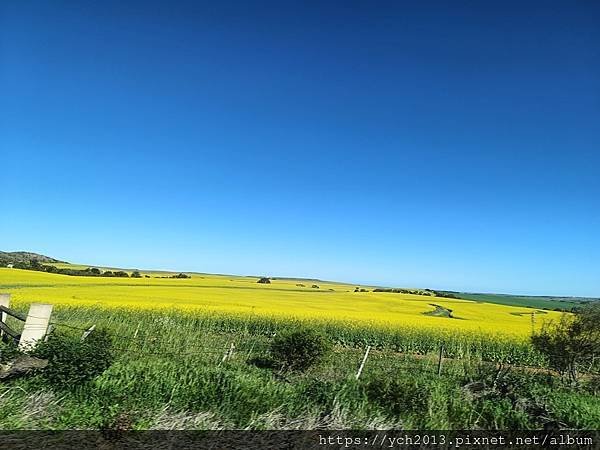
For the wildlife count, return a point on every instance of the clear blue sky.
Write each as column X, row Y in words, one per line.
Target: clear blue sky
column 451, row 145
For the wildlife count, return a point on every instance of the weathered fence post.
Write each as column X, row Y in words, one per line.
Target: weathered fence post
column 362, row 364
column 229, row 353
column 439, row 367
column 50, row 329
column 4, row 301
column 87, row 332
column 36, row 325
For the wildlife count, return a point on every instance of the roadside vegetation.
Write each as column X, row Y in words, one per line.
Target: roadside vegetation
column 176, row 370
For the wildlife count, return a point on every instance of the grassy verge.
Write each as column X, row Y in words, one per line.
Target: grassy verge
column 169, row 373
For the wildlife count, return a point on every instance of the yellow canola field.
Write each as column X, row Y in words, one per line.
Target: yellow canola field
column 282, row 298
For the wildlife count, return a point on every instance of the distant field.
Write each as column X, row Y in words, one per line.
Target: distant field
column 285, row 298
column 526, row 301
column 541, row 302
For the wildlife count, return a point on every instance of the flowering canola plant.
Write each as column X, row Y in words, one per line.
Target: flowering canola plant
column 285, row 298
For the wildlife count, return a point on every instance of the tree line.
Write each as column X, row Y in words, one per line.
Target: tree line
column 429, row 292
column 88, row 272
column 34, row 264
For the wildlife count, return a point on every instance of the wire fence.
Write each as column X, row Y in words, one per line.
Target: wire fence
column 143, row 344
column 379, row 360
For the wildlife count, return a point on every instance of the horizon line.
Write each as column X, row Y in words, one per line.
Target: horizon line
column 374, row 285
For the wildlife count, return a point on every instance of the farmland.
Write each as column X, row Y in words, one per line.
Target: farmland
column 170, row 337
column 542, row 302
column 281, row 299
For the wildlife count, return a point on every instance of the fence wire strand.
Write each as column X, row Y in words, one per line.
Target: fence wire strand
column 144, row 347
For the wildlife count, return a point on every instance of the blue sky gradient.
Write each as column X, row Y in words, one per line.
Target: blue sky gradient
column 450, row 145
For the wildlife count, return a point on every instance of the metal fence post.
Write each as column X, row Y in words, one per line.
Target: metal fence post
column 36, row 325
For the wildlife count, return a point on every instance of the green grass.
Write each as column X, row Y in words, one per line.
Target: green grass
column 540, row 302
column 169, row 373
column 168, row 331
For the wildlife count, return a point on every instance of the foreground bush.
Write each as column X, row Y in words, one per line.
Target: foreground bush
column 72, row 362
column 572, row 344
column 8, row 351
column 397, row 395
column 299, row 350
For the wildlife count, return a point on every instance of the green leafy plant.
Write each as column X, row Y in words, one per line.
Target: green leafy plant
column 572, row 344
column 72, row 362
column 8, row 351
column 397, row 395
column 300, row 349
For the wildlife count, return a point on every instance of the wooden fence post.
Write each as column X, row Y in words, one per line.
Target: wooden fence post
column 50, row 329
column 362, row 364
column 439, row 367
column 36, row 325
column 229, row 353
column 4, row 301
column 87, row 332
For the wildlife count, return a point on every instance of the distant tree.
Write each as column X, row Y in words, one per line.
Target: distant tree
column 264, row 280
column 94, row 270
column 120, row 273
column 315, row 286
column 136, row 274
column 445, row 294
column 180, row 275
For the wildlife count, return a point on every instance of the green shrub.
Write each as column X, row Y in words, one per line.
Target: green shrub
column 572, row 344
column 8, row 351
column 319, row 391
column 593, row 385
column 300, row 349
column 397, row 395
column 72, row 362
